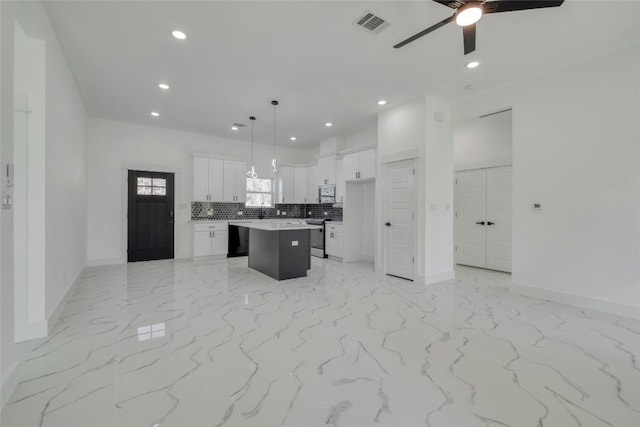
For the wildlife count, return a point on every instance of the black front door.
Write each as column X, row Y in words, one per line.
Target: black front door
column 150, row 216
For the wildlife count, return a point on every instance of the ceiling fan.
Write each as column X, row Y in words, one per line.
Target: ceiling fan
column 468, row 12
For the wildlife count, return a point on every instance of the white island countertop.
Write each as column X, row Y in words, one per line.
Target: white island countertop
column 274, row 226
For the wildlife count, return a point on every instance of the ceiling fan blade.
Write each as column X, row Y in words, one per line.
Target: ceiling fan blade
column 453, row 4
column 514, row 5
column 469, row 36
column 425, row 32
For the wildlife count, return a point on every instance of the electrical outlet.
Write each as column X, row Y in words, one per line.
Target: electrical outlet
column 326, row 213
column 240, row 213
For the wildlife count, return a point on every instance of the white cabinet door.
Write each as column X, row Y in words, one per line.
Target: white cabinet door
column 220, row 242
column 312, row 185
column 229, row 181
column 286, row 185
column 351, row 166
column 326, row 172
column 300, row 185
column 241, row 182
column 499, row 218
column 200, row 179
column 367, row 164
column 216, row 178
column 202, row 243
column 334, row 241
column 340, row 184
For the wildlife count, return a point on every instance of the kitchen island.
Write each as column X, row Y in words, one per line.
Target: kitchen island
column 279, row 250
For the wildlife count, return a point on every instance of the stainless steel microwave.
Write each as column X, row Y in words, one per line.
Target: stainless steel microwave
column 327, row 193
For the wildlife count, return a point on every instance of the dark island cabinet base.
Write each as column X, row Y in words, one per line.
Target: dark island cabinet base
column 283, row 254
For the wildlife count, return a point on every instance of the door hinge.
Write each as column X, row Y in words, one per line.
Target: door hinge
column 414, row 171
column 456, row 215
column 456, row 180
column 456, row 248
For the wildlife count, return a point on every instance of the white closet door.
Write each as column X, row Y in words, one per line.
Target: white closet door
column 499, row 218
column 399, row 219
column 471, row 236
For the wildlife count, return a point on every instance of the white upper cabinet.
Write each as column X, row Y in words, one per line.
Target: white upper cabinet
column 360, row 166
column 326, row 172
column 200, row 179
column 312, row 185
column 286, row 185
column 207, row 180
column 234, row 181
column 340, row 184
column 300, row 185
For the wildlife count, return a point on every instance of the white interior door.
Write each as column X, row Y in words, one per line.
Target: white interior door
column 399, row 219
column 499, row 218
column 471, row 235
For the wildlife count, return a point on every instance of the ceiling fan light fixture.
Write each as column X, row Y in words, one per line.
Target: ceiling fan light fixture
column 473, row 64
column 469, row 14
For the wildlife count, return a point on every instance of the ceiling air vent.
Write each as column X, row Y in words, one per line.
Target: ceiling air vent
column 371, row 22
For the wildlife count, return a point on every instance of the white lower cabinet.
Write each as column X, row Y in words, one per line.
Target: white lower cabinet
column 333, row 240
column 210, row 239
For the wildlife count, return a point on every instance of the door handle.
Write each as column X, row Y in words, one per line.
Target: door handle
column 490, row 223
column 480, row 223
column 388, row 224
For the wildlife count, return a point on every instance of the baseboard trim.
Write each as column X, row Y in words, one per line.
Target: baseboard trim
column 8, row 386
column 105, row 261
column 57, row 310
column 439, row 277
column 611, row 307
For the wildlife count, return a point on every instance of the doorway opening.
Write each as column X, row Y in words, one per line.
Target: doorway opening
column 150, row 216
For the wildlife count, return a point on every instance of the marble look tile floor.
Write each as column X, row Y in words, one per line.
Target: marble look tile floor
column 190, row 344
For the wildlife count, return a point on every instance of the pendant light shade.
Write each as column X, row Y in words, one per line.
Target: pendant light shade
column 251, row 173
column 274, row 162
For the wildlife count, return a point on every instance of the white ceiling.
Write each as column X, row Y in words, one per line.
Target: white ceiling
column 308, row 55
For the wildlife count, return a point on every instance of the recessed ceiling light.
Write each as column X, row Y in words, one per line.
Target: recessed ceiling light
column 473, row 64
column 382, row 102
column 163, row 86
column 234, row 127
column 328, row 124
column 293, row 138
column 155, row 114
column 178, row 34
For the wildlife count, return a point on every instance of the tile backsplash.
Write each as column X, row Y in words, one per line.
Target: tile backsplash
column 222, row 211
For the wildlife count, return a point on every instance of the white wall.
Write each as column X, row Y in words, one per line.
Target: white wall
column 114, row 147
column 65, row 215
column 364, row 138
column 411, row 131
column 576, row 150
column 438, row 191
column 8, row 377
column 483, row 141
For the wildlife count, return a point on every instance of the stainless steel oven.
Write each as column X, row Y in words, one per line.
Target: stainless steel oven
column 317, row 238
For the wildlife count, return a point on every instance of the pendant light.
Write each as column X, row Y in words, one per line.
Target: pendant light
column 251, row 173
column 274, row 162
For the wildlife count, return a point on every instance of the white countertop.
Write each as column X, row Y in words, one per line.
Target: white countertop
column 275, row 226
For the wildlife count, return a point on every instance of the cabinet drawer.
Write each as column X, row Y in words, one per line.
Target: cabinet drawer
column 334, row 227
column 211, row 226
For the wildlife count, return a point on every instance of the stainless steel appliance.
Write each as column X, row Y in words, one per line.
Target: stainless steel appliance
column 327, row 193
column 316, row 240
